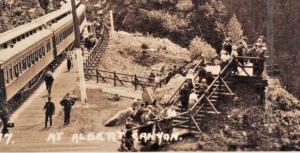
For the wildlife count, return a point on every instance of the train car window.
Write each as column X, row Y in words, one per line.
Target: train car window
column 20, row 67
column 36, row 56
column 39, row 53
column 16, row 71
column 32, row 58
column 24, row 64
column 48, row 47
column 7, row 77
column 5, row 45
column 43, row 51
column 10, row 74
column 28, row 61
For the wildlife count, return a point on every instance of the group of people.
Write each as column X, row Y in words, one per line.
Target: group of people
column 191, row 91
column 67, row 102
column 143, row 117
column 229, row 50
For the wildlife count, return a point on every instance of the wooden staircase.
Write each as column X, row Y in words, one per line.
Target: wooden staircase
column 205, row 106
column 94, row 56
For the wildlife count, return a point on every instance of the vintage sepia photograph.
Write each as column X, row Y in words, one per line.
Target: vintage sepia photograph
column 149, row 75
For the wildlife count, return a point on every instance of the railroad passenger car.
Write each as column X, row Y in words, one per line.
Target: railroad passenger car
column 26, row 51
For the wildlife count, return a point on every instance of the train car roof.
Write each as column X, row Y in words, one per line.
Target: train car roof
column 57, row 26
column 34, row 24
column 8, row 53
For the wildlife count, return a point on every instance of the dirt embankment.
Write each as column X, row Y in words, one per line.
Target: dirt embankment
column 137, row 54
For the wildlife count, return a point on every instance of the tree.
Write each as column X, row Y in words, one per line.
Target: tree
column 234, row 29
column 200, row 48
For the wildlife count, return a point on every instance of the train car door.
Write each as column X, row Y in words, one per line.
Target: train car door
column 2, row 86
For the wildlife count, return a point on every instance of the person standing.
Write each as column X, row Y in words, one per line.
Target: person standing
column 49, row 109
column 189, row 79
column 4, row 118
column 234, row 54
column 67, row 103
column 49, row 81
column 193, row 98
column 227, row 45
column 128, row 140
column 184, row 97
column 202, row 87
column 69, row 60
column 224, row 58
column 201, row 74
column 240, row 50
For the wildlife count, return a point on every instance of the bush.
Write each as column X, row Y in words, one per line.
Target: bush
column 144, row 46
column 200, row 48
column 184, row 5
column 170, row 22
column 234, row 29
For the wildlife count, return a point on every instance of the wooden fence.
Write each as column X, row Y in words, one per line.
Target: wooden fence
column 121, row 78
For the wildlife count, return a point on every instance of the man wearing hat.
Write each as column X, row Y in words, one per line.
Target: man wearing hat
column 4, row 118
column 193, row 98
column 49, row 81
column 225, row 57
column 128, row 139
column 227, row 45
column 260, row 63
column 49, row 109
column 184, row 96
column 202, row 87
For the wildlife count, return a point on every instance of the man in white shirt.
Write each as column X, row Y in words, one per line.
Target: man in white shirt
column 193, row 98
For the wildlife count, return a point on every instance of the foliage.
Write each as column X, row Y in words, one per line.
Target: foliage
column 170, row 22
column 234, row 29
column 184, row 5
column 200, row 48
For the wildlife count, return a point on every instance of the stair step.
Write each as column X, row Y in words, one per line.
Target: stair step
column 223, row 93
column 193, row 127
column 206, row 112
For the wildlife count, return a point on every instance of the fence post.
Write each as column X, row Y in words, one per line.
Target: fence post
column 115, row 82
column 97, row 75
column 135, row 82
column 160, row 83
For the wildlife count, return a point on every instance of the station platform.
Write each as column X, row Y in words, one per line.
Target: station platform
column 29, row 134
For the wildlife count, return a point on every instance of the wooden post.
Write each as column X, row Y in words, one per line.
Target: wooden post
column 160, row 83
column 220, row 86
column 115, row 82
column 82, row 84
column 97, row 75
column 135, row 82
column 111, row 22
column 190, row 121
column 75, row 25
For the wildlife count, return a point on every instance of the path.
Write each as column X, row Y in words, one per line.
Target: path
column 30, row 135
column 108, row 88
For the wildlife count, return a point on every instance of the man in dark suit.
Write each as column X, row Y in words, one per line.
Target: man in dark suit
column 67, row 103
column 49, row 111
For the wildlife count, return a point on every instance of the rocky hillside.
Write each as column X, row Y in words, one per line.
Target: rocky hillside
column 245, row 126
column 178, row 20
column 17, row 12
column 278, row 19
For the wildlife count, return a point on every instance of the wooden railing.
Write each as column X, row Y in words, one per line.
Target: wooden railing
column 122, row 78
column 210, row 90
column 172, row 98
column 91, row 62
